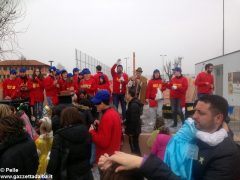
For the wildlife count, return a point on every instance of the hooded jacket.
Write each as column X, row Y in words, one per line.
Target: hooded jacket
column 133, row 121
column 71, row 149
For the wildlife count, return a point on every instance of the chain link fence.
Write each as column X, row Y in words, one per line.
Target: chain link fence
column 84, row 60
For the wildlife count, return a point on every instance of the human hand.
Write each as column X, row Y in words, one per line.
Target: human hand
column 125, row 161
column 118, row 62
column 96, row 122
column 174, row 87
column 104, row 162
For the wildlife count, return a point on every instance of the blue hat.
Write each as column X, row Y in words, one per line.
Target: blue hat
column 22, row 70
column 81, row 73
column 52, row 68
column 13, row 71
column 63, row 71
column 58, row 72
column 86, row 71
column 102, row 95
column 69, row 75
column 75, row 70
column 178, row 69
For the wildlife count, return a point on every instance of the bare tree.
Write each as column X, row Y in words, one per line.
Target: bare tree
column 10, row 14
column 169, row 65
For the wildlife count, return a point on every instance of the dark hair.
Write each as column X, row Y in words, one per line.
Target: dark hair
column 218, row 104
column 106, row 102
column 159, row 122
column 154, row 72
column 164, row 130
column 98, row 68
column 132, row 91
column 70, row 116
column 103, row 78
column 11, row 127
column 208, row 65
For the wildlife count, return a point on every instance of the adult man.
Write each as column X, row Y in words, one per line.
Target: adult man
column 205, row 81
column 23, row 83
column 221, row 161
column 100, row 73
column 178, row 87
column 51, row 87
column 120, row 81
column 11, row 86
column 139, row 82
column 107, row 137
column 87, row 83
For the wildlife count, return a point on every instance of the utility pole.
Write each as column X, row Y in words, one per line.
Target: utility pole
column 51, row 62
column 163, row 55
column 126, row 58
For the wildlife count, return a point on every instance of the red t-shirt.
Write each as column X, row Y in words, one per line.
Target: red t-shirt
column 118, row 86
column 205, row 83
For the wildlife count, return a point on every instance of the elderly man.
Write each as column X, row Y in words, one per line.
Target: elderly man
column 139, row 83
column 221, row 161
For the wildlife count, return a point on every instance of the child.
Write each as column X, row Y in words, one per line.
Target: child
column 182, row 148
column 44, row 144
column 160, row 144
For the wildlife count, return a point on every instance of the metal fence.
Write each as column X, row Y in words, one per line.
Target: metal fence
column 84, row 60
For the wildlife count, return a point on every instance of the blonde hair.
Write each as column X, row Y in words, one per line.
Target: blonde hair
column 46, row 127
column 5, row 110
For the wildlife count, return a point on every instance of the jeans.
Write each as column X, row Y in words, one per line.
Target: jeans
column 154, row 111
column 49, row 101
column 38, row 110
column 176, row 109
column 134, row 144
column 120, row 98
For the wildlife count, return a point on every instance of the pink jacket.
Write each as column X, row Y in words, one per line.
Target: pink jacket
column 160, row 145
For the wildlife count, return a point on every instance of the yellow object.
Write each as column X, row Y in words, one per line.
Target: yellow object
column 44, row 145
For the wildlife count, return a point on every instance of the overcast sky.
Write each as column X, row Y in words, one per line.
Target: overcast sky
column 112, row 29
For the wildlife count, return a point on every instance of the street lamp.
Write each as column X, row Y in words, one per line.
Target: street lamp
column 126, row 58
column 50, row 62
column 163, row 55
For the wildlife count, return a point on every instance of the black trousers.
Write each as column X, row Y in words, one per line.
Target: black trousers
column 176, row 109
column 134, row 144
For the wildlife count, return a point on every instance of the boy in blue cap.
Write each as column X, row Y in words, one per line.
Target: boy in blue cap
column 11, row 86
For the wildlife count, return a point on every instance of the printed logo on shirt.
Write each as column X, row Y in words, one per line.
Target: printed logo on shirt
column 11, row 87
column 35, row 85
column 157, row 86
column 86, row 86
column 178, row 85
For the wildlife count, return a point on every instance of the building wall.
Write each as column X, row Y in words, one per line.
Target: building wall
column 231, row 63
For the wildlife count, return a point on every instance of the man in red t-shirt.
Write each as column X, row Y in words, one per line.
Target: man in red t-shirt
column 107, row 135
column 205, row 81
column 120, row 80
column 11, row 89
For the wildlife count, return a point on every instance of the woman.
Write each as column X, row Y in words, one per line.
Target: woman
column 155, row 105
column 71, row 149
column 17, row 150
column 36, row 88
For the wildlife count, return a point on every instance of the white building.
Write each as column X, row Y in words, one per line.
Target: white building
column 226, row 76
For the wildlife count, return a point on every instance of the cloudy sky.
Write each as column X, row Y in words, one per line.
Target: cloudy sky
column 112, row 29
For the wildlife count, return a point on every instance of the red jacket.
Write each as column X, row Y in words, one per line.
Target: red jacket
column 62, row 84
column 23, row 87
column 76, row 83
column 89, row 86
column 98, row 74
column 151, row 92
column 51, row 89
column 108, row 136
column 119, row 88
column 36, row 88
column 205, row 83
column 104, row 87
column 182, row 85
column 11, row 88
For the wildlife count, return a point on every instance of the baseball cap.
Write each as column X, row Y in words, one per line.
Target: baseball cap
column 52, row 68
column 102, row 95
column 86, row 71
column 75, row 70
column 22, row 70
column 69, row 75
column 178, row 69
column 13, row 71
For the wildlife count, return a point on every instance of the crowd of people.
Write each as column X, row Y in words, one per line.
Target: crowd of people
column 84, row 126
